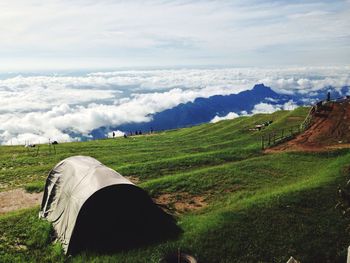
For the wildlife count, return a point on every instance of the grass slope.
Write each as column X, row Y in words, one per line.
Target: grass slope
column 261, row 208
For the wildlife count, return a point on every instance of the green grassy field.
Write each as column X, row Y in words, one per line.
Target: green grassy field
column 259, row 207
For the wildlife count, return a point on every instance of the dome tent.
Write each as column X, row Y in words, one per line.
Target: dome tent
column 94, row 208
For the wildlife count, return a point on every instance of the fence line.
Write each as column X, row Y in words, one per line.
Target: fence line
column 283, row 135
column 279, row 136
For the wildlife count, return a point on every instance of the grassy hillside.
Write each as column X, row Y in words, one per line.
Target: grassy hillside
column 257, row 207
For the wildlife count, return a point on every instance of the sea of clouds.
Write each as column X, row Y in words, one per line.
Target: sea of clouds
column 38, row 107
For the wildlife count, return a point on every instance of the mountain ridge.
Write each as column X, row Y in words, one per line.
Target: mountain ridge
column 203, row 110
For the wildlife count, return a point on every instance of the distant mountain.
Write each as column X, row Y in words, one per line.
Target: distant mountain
column 203, row 110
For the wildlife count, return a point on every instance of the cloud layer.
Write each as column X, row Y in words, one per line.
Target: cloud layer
column 270, row 108
column 229, row 116
column 64, row 107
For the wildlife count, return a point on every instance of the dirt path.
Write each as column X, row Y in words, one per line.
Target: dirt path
column 181, row 202
column 18, row 199
column 329, row 130
column 305, row 148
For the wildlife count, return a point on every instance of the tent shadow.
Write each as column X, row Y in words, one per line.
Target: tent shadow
column 118, row 218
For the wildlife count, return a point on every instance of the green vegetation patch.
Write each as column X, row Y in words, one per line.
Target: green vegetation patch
column 35, row 187
column 25, row 238
column 259, row 207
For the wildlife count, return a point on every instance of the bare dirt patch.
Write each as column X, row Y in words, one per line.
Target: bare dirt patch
column 181, row 202
column 329, row 130
column 296, row 147
column 338, row 146
column 132, row 178
column 18, row 199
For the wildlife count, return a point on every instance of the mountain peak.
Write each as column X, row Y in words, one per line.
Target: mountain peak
column 261, row 88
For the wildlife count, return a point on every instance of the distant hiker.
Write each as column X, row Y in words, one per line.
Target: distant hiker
column 140, row 132
column 151, row 129
column 125, row 136
column 328, row 96
column 136, row 133
column 113, row 134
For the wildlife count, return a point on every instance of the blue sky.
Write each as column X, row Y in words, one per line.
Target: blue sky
column 86, row 34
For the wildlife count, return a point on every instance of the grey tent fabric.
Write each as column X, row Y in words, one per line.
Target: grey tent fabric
column 69, row 184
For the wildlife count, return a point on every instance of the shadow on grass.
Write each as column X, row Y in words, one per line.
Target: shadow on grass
column 303, row 224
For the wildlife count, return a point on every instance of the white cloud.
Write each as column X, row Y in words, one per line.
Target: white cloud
column 117, row 133
column 270, row 108
column 229, row 116
column 305, row 79
column 265, row 108
column 40, row 107
column 290, row 105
